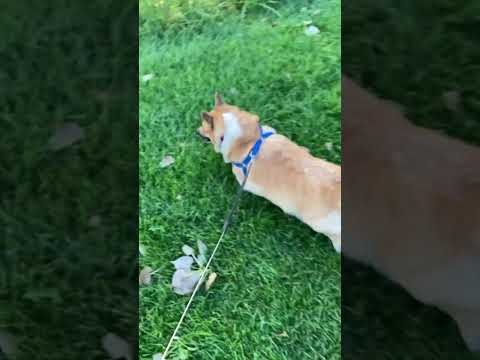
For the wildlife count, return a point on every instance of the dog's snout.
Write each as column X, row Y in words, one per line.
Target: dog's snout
column 203, row 137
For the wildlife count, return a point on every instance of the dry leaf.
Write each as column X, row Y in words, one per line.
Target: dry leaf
column 451, row 100
column 183, row 262
column 201, row 260
column 311, row 30
column 8, row 343
column 184, row 281
column 43, row 294
column 202, row 248
column 211, row 279
column 158, row 356
column 167, row 161
column 282, row 334
column 329, row 146
column 65, row 136
column 147, row 77
column 145, row 277
column 116, row 347
column 187, row 250
column 95, row 221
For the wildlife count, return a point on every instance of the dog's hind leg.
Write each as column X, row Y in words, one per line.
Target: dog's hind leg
column 330, row 226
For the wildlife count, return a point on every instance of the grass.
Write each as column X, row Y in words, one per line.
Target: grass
column 410, row 52
column 65, row 284
column 275, row 274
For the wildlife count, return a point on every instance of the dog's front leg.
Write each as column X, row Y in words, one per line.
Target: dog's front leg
column 336, row 242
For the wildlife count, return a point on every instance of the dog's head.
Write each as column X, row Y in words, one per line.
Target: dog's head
column 228, row 127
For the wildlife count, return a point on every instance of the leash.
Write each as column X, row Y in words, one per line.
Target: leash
column 226, row 225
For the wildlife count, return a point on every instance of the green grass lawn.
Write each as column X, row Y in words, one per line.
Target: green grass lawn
column 275, row 274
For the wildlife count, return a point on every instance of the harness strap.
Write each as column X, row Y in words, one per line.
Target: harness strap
column 253, row 152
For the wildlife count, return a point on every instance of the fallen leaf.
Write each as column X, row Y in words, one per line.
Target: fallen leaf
column 202, row 248
column 147, row 77
column 158, row 356
column 95, row 221
column 145, row 277
column 167, row 161
column 307, row 22
column 183, row 262
column 451, row 100
column 311, row 30
column 282, row 334
column 183, row 281
column 8, row 343
column 116, row 347
column 187, row 250
column 211, row 279
column 43, row 294
column 142, row 249
column 329, row 146
column 201, row 260
column 66, row 135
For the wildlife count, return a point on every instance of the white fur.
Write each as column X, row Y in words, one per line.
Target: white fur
column 231, row 133
column 250, row 186
column 331, row 224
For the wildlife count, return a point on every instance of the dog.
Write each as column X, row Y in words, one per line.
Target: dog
column 413, row 208
column 278, row 170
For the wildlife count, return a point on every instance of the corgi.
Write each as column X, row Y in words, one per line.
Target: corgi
column 413, row 206
column 280, row 171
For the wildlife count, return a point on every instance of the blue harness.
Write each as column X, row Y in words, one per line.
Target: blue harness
column 253, row 152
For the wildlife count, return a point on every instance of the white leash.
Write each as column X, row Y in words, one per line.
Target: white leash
column 226, row 225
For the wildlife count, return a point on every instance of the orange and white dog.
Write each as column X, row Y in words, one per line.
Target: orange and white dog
column 281, row 171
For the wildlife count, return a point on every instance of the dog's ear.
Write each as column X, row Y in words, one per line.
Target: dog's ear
column 218, row 99
column 208, row 118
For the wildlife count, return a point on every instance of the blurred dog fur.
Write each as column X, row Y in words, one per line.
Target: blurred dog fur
column 283, row 172
column 412, row 209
